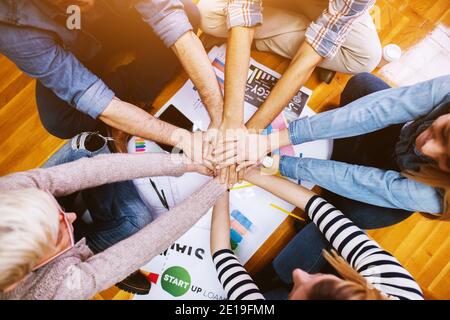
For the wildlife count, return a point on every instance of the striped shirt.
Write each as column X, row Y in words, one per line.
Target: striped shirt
column 377, row 266
column 235, row 280
column 326, row 35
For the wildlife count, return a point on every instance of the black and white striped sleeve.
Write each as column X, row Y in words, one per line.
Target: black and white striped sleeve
column 376, row 265
column 235, row 280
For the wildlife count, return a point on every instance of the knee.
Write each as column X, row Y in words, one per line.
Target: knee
column 212, row 17
column 58, row 117
column 282, row 269
column 49, row 120
column 99, row 239
column 140, row 221
column 58, row 130
column 368, row 57
column 56, row 127
column 362, row 79
column 356, row 87
column 193, row 14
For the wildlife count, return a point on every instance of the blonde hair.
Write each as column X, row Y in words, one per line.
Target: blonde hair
column 436, row 178
column 29, row 225
column 354, row 286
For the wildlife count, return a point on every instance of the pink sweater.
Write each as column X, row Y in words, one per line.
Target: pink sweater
column 79, row 274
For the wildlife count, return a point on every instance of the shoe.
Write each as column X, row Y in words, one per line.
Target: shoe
column 90, row 141
column 326, row 75
column 135, row 283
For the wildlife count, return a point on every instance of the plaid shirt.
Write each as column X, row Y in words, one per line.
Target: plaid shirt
column 325, row 35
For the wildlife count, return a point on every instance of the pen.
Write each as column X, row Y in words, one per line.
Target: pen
column 162, row 197
column 287, row 212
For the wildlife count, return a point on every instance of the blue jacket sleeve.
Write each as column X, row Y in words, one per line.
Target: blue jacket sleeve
column 370, row 185
column 373, row 112
column 37, row 54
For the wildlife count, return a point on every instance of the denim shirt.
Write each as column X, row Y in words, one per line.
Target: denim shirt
column 368, row 114
column 46, row 50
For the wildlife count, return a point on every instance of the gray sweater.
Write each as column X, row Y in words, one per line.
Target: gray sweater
column 79, row 274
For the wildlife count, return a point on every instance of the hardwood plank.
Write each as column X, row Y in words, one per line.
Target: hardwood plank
column 434, row 266
column 440, row 286
column 10, row 91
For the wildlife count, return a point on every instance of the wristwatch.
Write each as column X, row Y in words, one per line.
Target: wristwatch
column 268, row 162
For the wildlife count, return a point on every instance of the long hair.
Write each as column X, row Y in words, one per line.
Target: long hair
column 354, row 286
column 436, row 178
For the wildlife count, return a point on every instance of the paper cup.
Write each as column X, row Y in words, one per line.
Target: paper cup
column 391, row 53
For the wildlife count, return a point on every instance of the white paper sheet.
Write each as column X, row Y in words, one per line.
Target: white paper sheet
column 253, row 205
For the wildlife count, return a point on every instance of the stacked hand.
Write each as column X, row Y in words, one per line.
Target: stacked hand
column 244, row 150
column 237, row 149
column 227, row 153
column 229, row 132
column 195, row 148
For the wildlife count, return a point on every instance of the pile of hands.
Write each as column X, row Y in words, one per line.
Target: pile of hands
column 230, row 153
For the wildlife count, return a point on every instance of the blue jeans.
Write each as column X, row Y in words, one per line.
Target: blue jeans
column 116, row 209
column 376, row 149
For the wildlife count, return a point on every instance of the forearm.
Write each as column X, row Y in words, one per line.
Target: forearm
column 279, row 139
column 220, row 225
column 299, row 71
column 236, row 72
column 373, row 112
column 369, row 185
column 282, row 188
column 135, row 121
column 92, row 172
column 194, row 59
column 117, row 262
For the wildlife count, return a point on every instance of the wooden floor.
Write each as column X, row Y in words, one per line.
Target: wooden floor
column 420, row 27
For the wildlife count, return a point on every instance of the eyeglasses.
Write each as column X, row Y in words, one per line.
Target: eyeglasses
column 67, row 230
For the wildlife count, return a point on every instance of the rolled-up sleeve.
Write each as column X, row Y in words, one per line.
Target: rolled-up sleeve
column 373, row 112
column 166, row 17
column 328, row 32
column 244, row 13
column 384, row 188
column 37, row 54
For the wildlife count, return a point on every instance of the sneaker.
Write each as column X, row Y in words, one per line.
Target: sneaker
column 90, row 141
column 135, row 283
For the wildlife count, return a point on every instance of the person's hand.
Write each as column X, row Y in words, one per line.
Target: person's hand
column 230, row 132
column 246, row 150
column 192, row 145
column 210, row 137
column 253, row 172
column 201, row 169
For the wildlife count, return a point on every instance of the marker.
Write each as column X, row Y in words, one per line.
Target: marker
column 287, row 212
column 243, row 186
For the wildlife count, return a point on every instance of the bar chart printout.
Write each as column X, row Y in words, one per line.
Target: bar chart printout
column 241, row 226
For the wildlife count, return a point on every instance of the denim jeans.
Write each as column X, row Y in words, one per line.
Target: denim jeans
column 116, row 209
column 139, row 81
column 376, row 149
